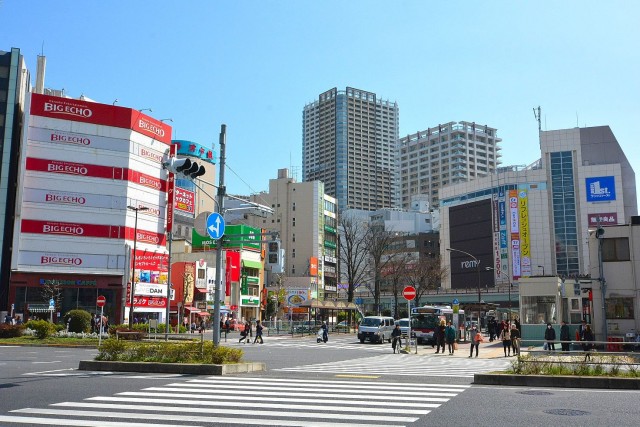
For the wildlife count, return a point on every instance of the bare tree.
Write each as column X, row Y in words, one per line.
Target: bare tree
column 426, row 274
column 51, row 290
column 379, row 249
column 354, row 260
column 395, row 276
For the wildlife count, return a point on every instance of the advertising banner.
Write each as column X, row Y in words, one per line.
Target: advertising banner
column 504, row 240
column 100, row 114
column 525, row 247
column 147, row 260
column 71, row 229
column 151, row 289
column 171, row 193
column 513, row 210
column 295, row 297
column 515, row 233
column 185, row 201
column 37, row 195
column 233, row 270
column 65, row 259
column 313, row 266
column 600, row 188
column 95, row 171
column 78, row 139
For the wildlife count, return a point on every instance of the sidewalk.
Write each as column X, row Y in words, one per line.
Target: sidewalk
column 486, row 350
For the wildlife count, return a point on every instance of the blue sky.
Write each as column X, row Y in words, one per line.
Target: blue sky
column 253, row 65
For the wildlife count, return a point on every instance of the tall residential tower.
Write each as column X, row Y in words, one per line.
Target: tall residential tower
column 348, row 143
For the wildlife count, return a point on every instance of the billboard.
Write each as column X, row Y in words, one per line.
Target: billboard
column 600, row 188
column 610, row 218
column 471, row 231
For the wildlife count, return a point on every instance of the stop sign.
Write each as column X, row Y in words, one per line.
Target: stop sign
column 409, row 293
column 101, row 301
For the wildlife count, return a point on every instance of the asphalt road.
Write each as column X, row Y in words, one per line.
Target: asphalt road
column 339, row 383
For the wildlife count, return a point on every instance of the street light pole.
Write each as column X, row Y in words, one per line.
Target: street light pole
column 133, row 276
column 219, row 253
column 478, row 273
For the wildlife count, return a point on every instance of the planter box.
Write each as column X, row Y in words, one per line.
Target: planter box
column 566, row 381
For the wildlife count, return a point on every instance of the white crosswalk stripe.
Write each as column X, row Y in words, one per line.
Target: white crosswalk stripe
column 406, row 364
column 336, row 342
column 250, row 401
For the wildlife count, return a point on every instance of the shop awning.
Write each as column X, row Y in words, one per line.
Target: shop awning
column 203, row 313
column 39, row 308
column 252, row 264
column 191, row 309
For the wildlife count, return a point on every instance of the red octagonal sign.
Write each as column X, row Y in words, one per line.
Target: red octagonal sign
column 101, row 301
column 409, row 293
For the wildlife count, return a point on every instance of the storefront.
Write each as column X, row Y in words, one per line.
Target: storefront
column 31, row 292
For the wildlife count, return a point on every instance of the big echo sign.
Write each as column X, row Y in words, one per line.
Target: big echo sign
column 409, row 293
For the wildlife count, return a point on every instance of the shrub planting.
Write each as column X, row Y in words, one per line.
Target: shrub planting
column 42, row 329
column 80, row 321
column 10, row 331
column 168, row 352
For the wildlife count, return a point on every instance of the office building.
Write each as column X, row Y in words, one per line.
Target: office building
column 306, row 220
column 348, row 142
column 442, row 155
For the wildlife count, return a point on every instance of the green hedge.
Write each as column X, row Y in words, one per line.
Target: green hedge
column 167, row 352
column 42, row 328
column 80, row 321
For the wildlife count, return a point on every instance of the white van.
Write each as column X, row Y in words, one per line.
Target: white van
column 376, row 329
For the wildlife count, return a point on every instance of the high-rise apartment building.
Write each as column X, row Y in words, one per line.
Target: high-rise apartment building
column 306, row 219
column 445, row 154
column 14, row 88
column 348, row 143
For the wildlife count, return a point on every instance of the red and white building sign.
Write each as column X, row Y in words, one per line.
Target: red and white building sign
column 610, row 218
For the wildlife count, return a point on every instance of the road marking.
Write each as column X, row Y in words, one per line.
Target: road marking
column 357, row 376
column 48, row 361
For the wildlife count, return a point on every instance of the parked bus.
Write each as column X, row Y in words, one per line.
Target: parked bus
column 425, row 319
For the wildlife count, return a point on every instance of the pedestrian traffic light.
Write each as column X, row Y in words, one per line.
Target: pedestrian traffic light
column 184, row 167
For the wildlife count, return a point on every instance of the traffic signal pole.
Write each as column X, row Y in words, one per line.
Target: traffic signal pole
column 220, row 204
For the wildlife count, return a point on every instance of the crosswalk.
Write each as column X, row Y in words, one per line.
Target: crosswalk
column 406, row 364
column 249, row 401
column 336, row 342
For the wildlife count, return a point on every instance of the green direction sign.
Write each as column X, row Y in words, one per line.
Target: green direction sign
column 238, row 236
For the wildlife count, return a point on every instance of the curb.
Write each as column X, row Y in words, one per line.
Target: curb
column 563, row 381
column 171, row 368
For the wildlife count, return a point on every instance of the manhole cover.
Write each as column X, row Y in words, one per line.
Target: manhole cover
column 535, row 393
column 568, row 412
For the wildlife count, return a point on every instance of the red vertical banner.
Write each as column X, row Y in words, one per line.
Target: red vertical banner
column 233, row 270
column 171, row 190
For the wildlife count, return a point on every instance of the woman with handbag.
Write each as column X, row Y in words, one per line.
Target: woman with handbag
column 505, row 337
column 450, row 337
column 476, row 339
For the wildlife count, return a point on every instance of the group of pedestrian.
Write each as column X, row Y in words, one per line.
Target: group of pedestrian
column 510, row 337
column 13, row 320
column 99, row 324
column 584, row 334
column 246, row 333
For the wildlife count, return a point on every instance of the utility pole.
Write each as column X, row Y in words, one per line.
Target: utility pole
column 221, row 194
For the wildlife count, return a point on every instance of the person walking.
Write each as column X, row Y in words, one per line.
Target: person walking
column 550, row 337
column 491, row 329
column 515, row 340
column 587, row 336
column 245, row 333
column 450, row 337
column 258, row 333
column 439, row 336
column 396, row 335
column 476, row 339
column 564, row 336
column 505, row 337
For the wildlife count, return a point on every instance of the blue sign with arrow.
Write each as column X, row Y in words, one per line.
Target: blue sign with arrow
column 455, row 301
column 215, row 225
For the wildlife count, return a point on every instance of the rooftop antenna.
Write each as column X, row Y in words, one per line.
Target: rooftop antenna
column 536, row 114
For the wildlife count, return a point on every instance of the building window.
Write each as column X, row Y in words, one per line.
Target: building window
column 293, row 207
column 293, row 237
column 539, row 309
column 293, row 253
column 620, row 308
column 293, row 223
column 616, row 249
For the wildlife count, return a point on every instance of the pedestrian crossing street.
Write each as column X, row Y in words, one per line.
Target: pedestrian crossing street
column 249, row 401
column 406, row 364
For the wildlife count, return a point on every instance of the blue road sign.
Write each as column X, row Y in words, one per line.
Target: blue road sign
column 215, row 225
column 358, row 301
column 455, row 301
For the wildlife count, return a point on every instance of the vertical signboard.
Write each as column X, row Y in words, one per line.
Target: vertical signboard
column 525, row 248
column 504, row 241
column 171, row 192
column 515, row 233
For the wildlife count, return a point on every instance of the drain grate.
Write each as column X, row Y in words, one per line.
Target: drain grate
column 535, row 393
column 567, row 412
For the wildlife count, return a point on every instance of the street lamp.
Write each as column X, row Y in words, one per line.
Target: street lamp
column 478, row 272
column 133, row 276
